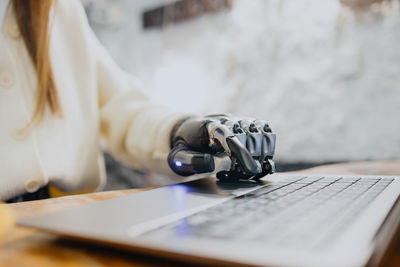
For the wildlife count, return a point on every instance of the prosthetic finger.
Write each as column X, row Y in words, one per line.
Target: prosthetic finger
column 268, row 148
column 254, row 138
column 243, row 157
column 185, row 162
column 268, row 140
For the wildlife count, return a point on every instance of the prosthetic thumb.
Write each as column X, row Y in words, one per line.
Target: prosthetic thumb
column 185, row 162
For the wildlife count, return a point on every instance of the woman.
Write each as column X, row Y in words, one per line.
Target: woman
column 61, row 92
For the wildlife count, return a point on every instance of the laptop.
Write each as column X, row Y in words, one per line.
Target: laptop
column 283, row 220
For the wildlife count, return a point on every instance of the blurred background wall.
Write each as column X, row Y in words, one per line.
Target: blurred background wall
column 325, row 74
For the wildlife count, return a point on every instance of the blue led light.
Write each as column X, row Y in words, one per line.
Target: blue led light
column 178, row 164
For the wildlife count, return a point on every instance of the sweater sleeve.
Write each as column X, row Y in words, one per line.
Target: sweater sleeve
column 136, row 131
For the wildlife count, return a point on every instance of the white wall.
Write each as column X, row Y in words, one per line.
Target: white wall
column 327, row 78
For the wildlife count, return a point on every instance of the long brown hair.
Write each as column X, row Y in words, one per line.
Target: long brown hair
column 33, row 18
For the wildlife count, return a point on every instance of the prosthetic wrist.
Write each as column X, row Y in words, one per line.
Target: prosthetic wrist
column 197, row 141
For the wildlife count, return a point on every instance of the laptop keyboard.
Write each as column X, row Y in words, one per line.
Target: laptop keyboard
column 299, row 211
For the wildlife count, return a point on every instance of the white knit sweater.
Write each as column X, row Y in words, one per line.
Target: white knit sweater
column 99, row 100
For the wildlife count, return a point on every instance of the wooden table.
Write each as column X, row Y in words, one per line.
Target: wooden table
column 27, row 247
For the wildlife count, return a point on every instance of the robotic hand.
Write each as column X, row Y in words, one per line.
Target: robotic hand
column 197, row 141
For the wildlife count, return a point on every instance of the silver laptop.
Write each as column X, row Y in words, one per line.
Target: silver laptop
column 285, row 220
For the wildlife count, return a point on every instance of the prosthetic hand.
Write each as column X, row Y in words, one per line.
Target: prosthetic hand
column 197, row 141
